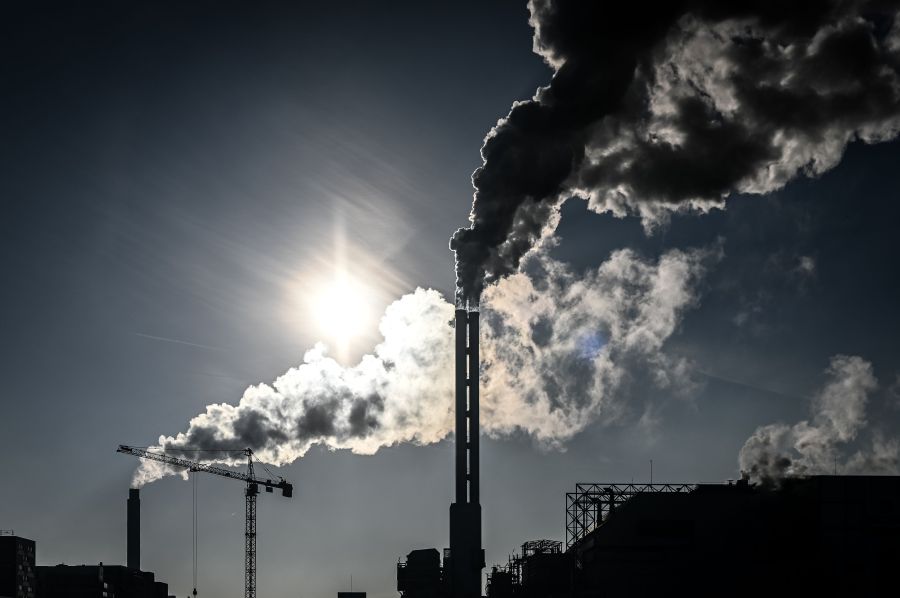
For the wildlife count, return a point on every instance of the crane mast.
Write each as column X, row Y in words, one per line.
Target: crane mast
column 250, row 535
column 251, row 491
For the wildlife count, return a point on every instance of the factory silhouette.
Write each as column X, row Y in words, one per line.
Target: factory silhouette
column 814, row 535
column 818, row 535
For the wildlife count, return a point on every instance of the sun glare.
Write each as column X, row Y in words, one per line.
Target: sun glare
column 341, row 310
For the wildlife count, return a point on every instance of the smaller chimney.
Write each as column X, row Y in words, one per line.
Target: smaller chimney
column 134, row 529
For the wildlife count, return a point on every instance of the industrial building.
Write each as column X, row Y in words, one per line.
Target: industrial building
column 421, row 574
column 95, row 581
column 16, row 566
column 819, row 535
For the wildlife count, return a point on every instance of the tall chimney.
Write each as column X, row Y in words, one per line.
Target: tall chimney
column 134, row 529
column 466, row 554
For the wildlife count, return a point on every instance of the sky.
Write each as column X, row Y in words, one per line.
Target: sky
column 190, row 190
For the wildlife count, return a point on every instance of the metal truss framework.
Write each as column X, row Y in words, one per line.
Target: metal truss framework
column 514, row 565
column 591, row 504
column 533, row 547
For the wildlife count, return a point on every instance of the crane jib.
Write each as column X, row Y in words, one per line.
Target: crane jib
column 287, row 489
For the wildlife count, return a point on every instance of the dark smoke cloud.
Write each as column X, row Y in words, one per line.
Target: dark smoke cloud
column 675, row 106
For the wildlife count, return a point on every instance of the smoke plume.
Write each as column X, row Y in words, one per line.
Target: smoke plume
column 675, row 106
column 818, row 445
column 558, row 351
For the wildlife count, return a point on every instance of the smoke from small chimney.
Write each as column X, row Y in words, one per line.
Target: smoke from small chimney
column 822, row 443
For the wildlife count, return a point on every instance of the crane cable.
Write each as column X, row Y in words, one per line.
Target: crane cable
column 194, row 539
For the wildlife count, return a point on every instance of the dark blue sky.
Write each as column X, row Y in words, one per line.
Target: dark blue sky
column 182, row 171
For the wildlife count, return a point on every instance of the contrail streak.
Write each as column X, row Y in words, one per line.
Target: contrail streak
column 176, row 341
column 751, row 386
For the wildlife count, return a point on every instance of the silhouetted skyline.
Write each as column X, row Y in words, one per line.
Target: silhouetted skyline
column 197, row 194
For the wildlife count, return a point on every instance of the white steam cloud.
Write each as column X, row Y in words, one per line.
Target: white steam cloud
column 557, row 352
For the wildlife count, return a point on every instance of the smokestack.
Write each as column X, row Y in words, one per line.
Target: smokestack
column 466, row 554
column 134, row 529
column 474, row 431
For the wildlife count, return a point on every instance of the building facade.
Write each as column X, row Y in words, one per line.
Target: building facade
column 17, row 574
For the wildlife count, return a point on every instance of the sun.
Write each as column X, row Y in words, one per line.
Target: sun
column 341, row 310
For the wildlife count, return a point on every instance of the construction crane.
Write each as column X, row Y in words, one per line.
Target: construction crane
column 252, row 489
